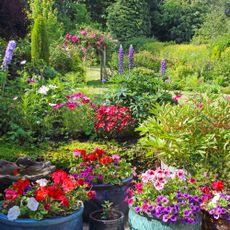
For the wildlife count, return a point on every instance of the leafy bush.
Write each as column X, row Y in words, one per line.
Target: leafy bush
column 147, row 60
column 138, row 92
column 193, row 135
column 67, row 61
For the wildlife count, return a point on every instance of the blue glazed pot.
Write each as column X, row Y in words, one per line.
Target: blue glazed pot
column 138, row 222
column 113, row 193
column 73, row 221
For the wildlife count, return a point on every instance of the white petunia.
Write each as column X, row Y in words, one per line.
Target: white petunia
column 13, row 213
column 32, row 204
column 215, row 199
column 43, row 90
column 42, row 182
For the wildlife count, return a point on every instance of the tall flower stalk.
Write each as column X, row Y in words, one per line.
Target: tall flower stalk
column 7, row 60
column 121, row 60
column 163, row 67
column 8, row 54
column 131, row 57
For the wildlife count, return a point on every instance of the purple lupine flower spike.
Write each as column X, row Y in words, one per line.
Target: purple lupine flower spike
column 121, row 60
column 163, row 67
column 8, row 54
column 131, row 57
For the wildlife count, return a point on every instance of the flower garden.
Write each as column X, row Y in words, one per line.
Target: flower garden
column 109, row 121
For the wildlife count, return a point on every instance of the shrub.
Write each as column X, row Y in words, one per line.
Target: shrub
column 138, row 92
column 191, row 136
column 67, row 61
column 39, row 41
column 147, row 60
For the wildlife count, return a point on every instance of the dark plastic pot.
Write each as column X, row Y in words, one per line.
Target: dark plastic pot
column 113, row 193
column 73, row 221
column 209, row 223
column 95, row 223
column 138, row 222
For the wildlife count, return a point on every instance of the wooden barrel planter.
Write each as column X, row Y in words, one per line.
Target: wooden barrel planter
column 113, row 193
column 209, row 223
column 139, row 222
column 73, row 221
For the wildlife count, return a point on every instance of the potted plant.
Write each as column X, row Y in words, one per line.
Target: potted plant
column 56, row 203
column 107, row 218
column 215, row 206
column 110, row 176
column 164, row 200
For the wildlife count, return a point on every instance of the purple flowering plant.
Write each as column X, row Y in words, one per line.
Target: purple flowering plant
column 168, row 196
column 8, row 54
column 131, row 57
column 98, row 167
column 121, row 60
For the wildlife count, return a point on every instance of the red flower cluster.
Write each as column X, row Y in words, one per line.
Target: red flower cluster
column 218, row 186
column 97, row 153
column 111, row 120
column 106, row 160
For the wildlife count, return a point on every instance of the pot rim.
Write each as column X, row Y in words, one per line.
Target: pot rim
column 102, row 186
column 121, row 216
column 44, row 222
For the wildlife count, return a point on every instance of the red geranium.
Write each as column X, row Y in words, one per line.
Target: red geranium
column 80, row 181
column 218, row 186
column 41, row 194
column 69, row 184
column 106, row 160
column 21, row 185
column 91, row 195
column 59, row 176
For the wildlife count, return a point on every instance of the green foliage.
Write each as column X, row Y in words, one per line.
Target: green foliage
column 215, row 24
column 191, row 136
column 39, row 41
column 10, row 152
column 147, row 60
column 67, row 61
column 177, row 19
column 45, row 9
column 128, row 19
column 72, row 14
column 79, row 122
column 138, row 92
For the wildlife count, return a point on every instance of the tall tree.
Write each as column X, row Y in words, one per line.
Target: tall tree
column 128, row 19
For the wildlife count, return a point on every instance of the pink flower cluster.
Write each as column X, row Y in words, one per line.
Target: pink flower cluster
column 160, row 177
column 75, row 100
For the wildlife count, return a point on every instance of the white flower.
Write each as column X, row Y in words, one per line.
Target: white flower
column 32, row 204
column 43, row 90
column 215, row 199
column 50, row 104
column 15, row 98
column 52, row 86
column 42, row 182
column 13, row 213
column 23, row 62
